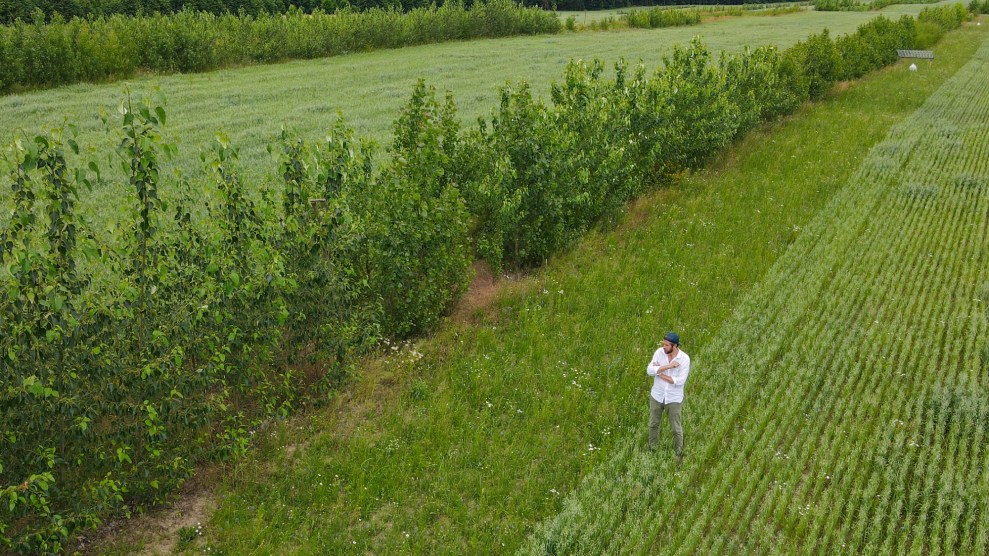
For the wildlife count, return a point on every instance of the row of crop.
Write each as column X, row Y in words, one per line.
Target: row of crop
column 128, row 359
column 873, row 46
column 867, row 303
column 657, row 17
column 129, row 356
column 26, row 10
column 859, row 6
column 43, row 54
column 838, row 434
column 581, row 5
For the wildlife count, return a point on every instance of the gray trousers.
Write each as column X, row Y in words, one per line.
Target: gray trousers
column 656, row 416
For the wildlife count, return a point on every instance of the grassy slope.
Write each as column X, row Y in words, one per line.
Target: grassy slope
column 467, row 448
column 252, row 104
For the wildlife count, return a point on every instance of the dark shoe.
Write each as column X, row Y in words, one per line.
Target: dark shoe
column 679, row 459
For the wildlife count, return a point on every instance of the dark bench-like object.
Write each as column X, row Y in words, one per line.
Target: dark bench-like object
column 922, row 54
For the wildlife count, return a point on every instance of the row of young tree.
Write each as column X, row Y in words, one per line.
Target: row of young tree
column 31, row 10
column 130, row 356
column 39, row 54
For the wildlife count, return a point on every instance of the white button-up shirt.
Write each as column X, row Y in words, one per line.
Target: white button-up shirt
column 662, row 391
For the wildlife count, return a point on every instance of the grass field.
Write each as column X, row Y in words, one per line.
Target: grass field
column 844, row 406
column 468, row 442
column 252, row 104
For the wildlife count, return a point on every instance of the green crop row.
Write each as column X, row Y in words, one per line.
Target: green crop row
column 11, row 10
column 658, row 17
column 856, row 5
column 39, row 54
column 130, row 355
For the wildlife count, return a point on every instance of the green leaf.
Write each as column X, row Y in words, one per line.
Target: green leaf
column 57, row 303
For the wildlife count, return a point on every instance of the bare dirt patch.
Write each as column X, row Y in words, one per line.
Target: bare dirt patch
column 190, row 511
column 156, row 532
column 483, row 290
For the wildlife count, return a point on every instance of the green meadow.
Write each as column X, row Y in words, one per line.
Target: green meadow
column 472, row 441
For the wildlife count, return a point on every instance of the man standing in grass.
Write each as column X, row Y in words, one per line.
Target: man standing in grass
column 670, row 367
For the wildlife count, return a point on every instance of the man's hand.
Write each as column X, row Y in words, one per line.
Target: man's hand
column 667, row 378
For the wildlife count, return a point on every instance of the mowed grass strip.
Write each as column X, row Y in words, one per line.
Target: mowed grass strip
column 251, row 105
column 464, row 444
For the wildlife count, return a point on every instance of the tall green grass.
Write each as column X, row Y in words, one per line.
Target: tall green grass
column 658, row 17
column 464, row 443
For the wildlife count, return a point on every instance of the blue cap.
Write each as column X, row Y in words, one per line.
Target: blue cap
column 672, row 337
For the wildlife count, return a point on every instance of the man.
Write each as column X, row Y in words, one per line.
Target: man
column 670, row 367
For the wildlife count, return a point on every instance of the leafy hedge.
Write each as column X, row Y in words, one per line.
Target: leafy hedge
column 872, row 46
column 40, row 54
column 128, row 356
column 657, row 17
column 11, row 10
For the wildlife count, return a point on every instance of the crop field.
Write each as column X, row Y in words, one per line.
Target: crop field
column 844, row 407
column 299, row 321
column 251, row 105
column 589, row 17
column 838, row 406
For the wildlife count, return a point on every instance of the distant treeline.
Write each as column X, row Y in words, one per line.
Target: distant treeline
column 28, row 10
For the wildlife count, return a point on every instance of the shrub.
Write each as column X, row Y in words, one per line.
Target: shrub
column 977, row 7
column 839, row 5
column 659, row 17
column 419, row 252
column 684, row 113
column 763, row 84
column 820, row 61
